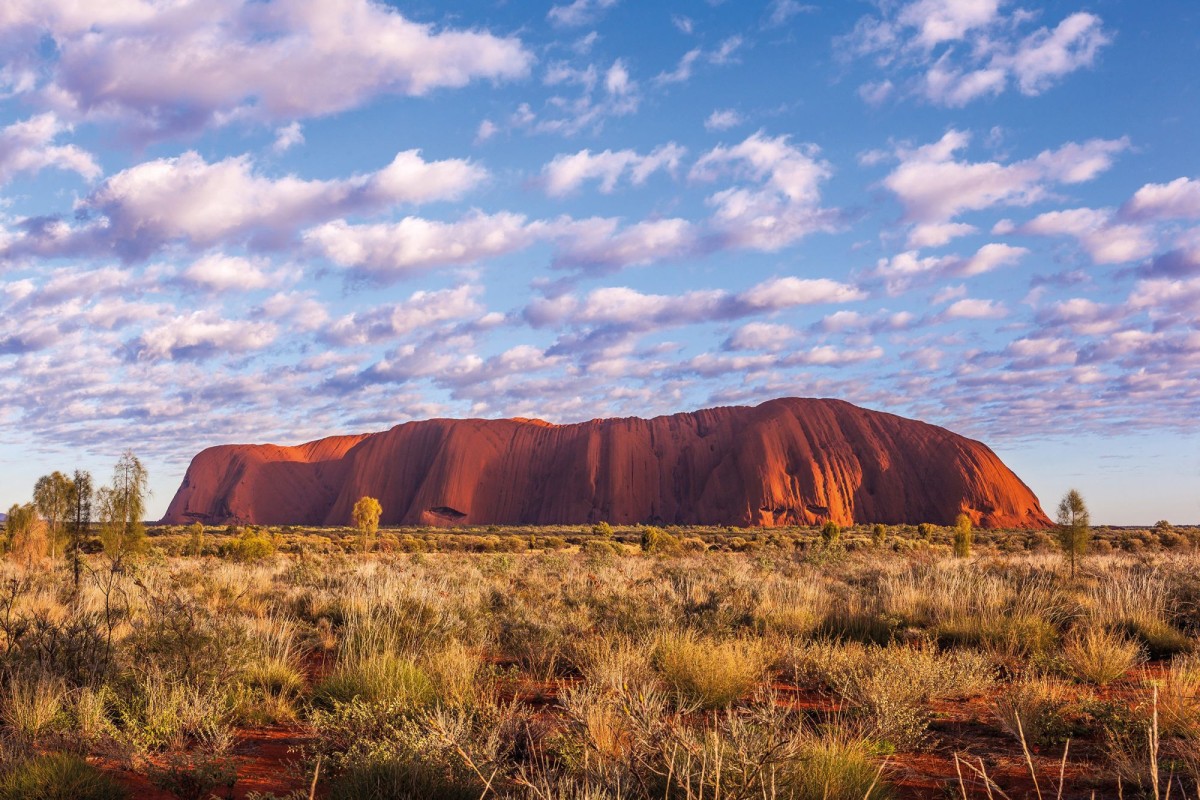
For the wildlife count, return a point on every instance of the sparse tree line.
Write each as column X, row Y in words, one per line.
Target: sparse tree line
column 60, row 519
column 66, row 510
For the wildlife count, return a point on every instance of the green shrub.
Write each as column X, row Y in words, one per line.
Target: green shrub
column 657, row 541
column 398, row 779
column 601, row 548
column 381, row 676
column 250, row 545
column 58, row 776
column 602, row 529
column 925, row 531
column 836, row 768
column 879, row 534
column 962, row 537
column 830, row 533
column 1160, row 638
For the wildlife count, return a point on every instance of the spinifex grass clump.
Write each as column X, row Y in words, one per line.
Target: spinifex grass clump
column 1100, row 657
column 708, row 673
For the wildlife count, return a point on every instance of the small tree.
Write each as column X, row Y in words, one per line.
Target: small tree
column 79, row 521
column 962, row 536
column 196, row 538
column 602, row 529
column 366, row 515
column 26, row 534
column 879, row 534
column 1074, row 531
column 830, row 533
column 52, row 497
column 122, row 509
column 925, row 530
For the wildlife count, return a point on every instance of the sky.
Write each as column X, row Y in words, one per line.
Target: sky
column 276, row 220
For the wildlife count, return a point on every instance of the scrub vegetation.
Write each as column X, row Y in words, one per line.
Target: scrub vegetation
column 598, row 662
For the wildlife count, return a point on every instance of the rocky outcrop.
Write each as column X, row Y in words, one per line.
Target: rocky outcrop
column 785, row 462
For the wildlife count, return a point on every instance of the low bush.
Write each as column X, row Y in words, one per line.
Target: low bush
column 1039, row 709
column 375, row 677
column 1099, row 657
column 58, row 776
column 658, row 542
column 250, row 545
column 708, row 673
column 836, row 767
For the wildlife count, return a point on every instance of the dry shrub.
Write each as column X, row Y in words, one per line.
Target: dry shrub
column 708, row 673
column 33, row 706
column 796, row 609
column 456, row 672
column 1099, row 657
column 889, row 688
column 1037, row 708
column 1179, row 698
column 615, row 664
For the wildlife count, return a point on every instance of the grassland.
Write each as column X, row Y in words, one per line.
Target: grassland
column 576, row 664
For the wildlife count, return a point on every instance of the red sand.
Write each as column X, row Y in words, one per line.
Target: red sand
column 785, row 462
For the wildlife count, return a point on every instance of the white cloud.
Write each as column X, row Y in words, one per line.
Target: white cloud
column 624, row 306
column 391, row 250
column 990, row 257
column 956, row 51
column 936, row 234
column 28, row 146
column 723, row 54
column 628, row 308
column 288, row 137
column 938, row 21
column 947, row 86
column 578, row 12
column 221, row 273
column 683, row 70
column 486, row 130
column 203, row 334
column 1105, row 240
column 186, row 199
column 565, row 116
column 163, row 68
column 903, row 270
column 761, row 336
column 781, row 11
column 974, row 308
column 935, row 187
column 1046, row 55
column 876, row 93
column 778, row 293
column 782, row 208
column 420, row 311
column 1160, row 295
column 722, row 119
column 948, row 293
column 566, row 173
column 1179, row 199
column 617, row 80
column 601, row 245
column 301, row 310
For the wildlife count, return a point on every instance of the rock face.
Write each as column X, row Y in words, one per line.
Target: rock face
column 785, row 462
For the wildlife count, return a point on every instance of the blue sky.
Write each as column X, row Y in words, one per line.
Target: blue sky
column 277, row 220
